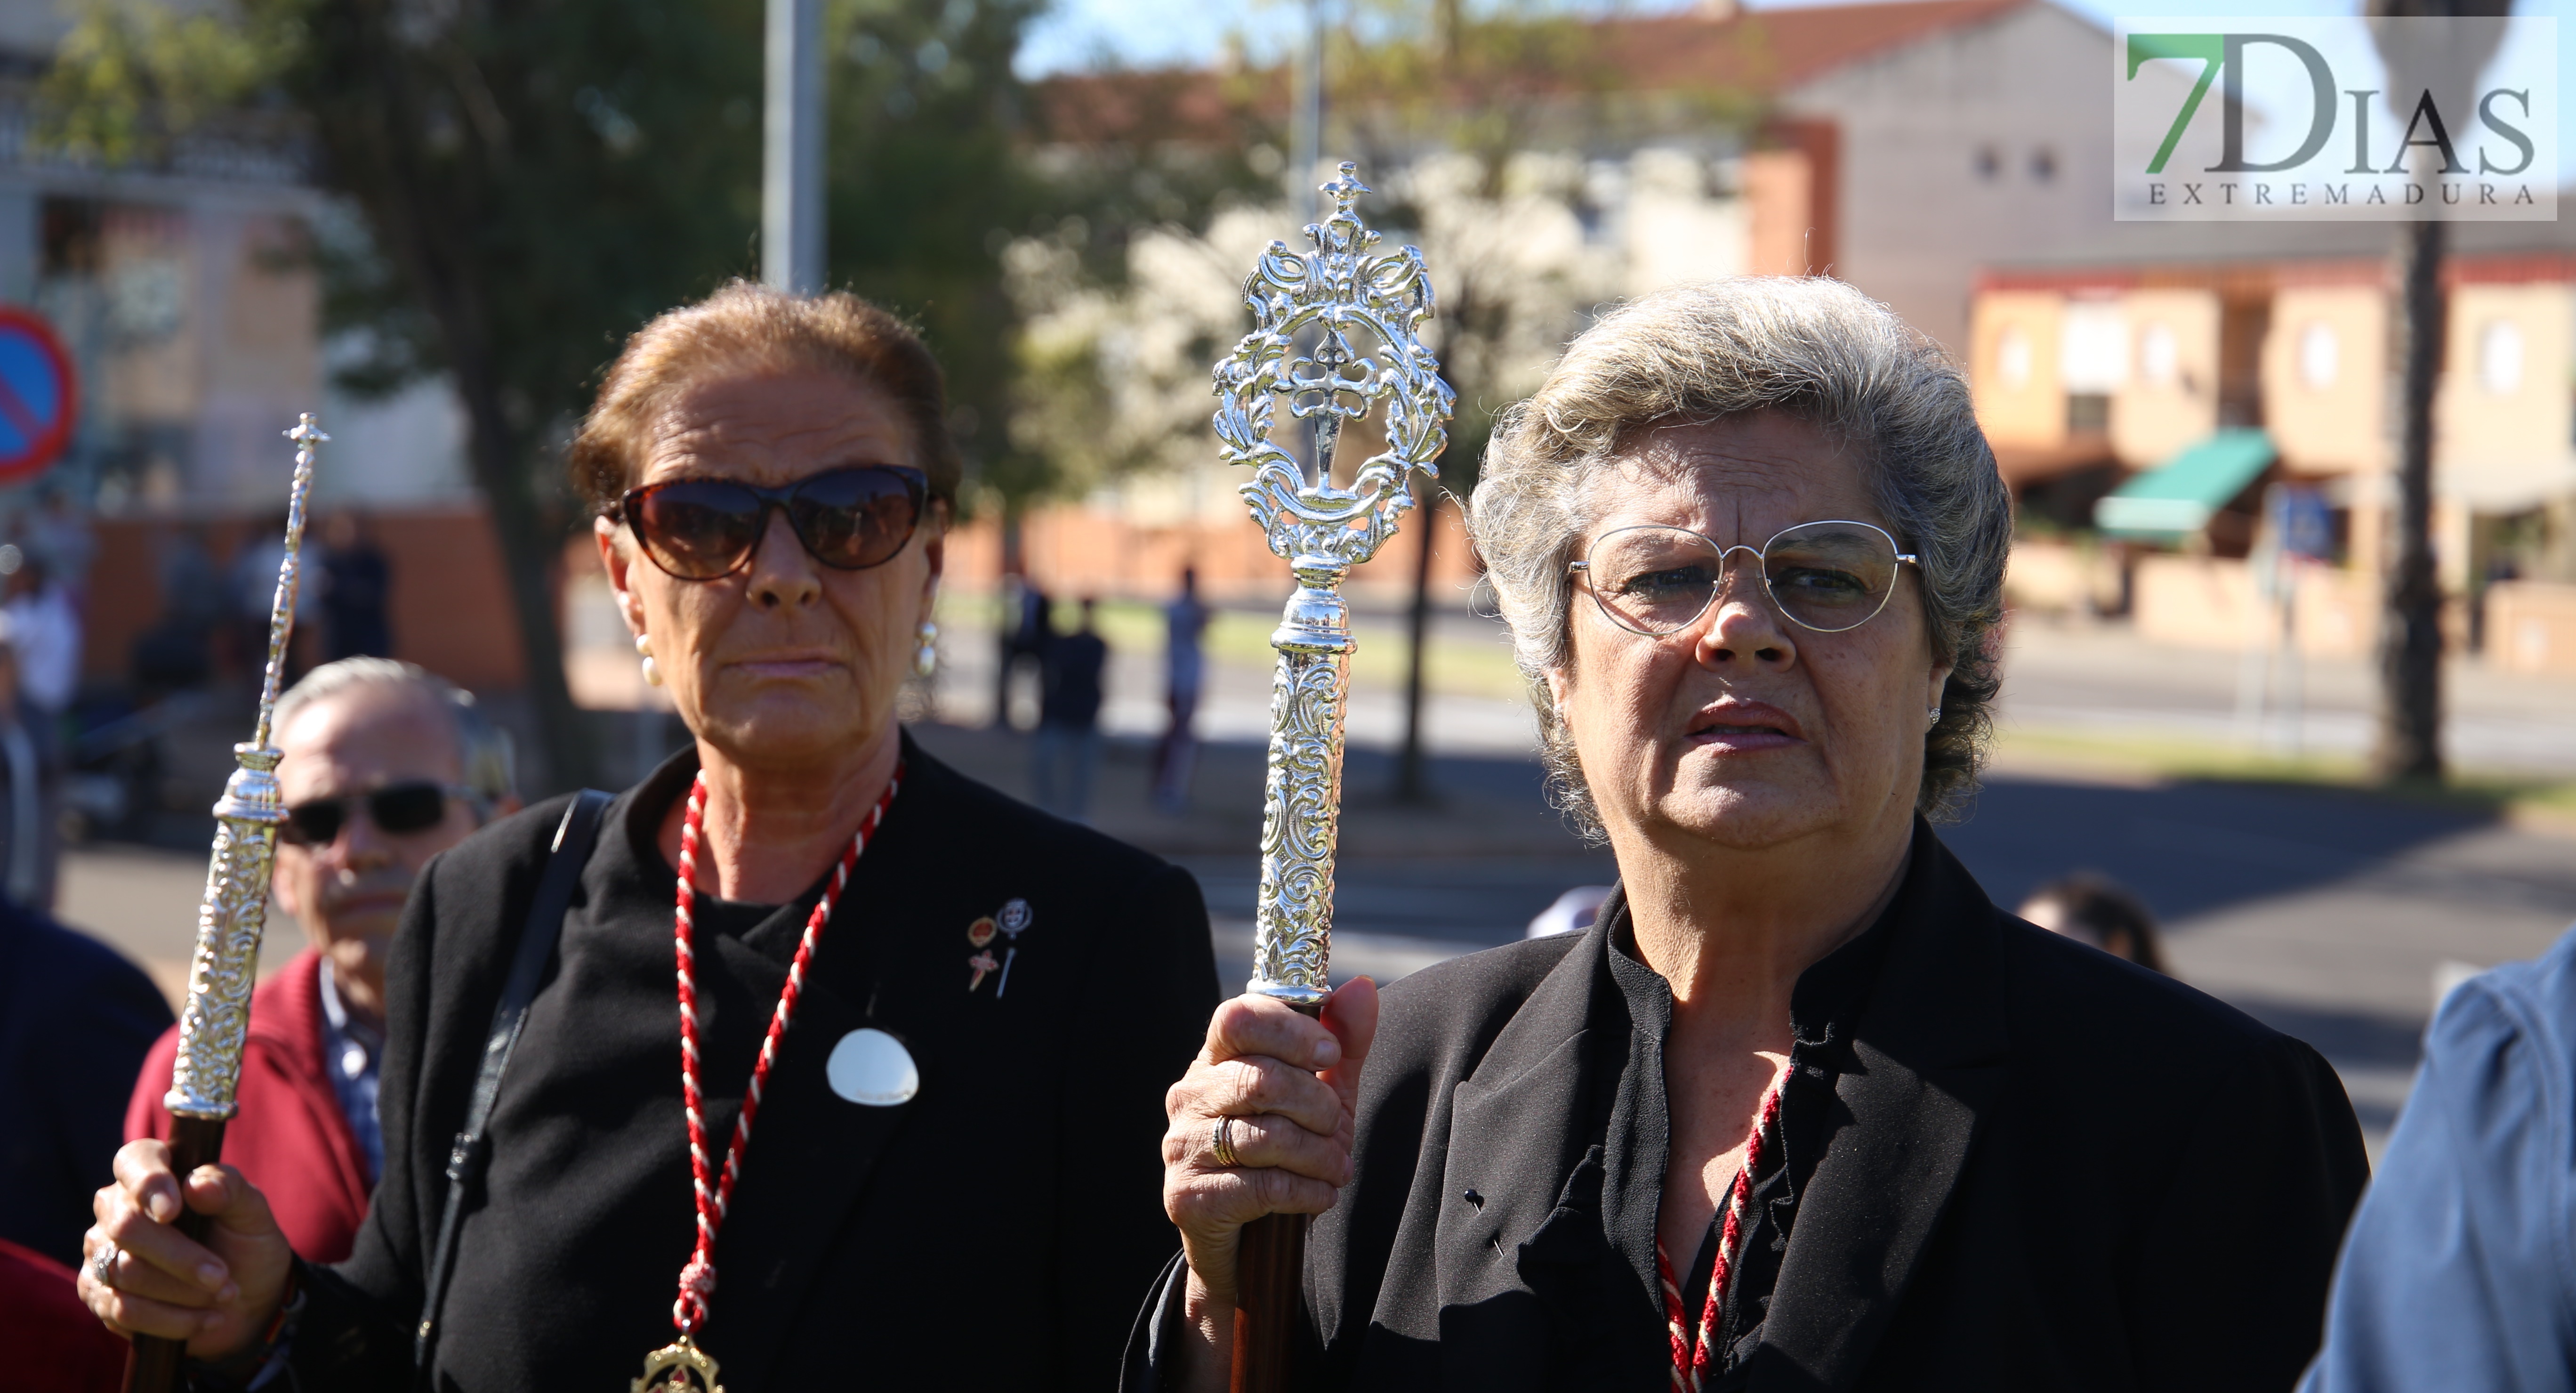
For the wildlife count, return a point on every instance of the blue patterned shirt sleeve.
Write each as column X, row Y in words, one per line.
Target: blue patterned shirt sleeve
column 2459, row 1272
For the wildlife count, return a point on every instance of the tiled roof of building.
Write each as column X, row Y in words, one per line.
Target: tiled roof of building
column 1758, row 52
column 1767, row 50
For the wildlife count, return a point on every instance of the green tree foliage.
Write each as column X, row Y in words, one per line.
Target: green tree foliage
column 527, row 182
column 943, row 161
column 929, row 181
column 531, row 181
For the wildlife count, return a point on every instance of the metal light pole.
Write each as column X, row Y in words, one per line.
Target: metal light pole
column 791, row 165
column 1306, row 124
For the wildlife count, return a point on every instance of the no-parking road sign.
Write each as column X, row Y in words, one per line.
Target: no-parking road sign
column 38, row 398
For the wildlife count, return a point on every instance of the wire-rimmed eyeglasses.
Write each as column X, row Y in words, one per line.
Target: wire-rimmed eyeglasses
column 1828, row 576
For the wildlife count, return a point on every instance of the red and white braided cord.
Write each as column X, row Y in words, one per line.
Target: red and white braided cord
column 1692, row 1356
column 715, row 1191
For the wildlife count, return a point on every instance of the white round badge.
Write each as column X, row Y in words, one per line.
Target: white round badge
column 873, row 1068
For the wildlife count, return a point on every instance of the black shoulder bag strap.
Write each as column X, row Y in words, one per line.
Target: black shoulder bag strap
column 573, row 841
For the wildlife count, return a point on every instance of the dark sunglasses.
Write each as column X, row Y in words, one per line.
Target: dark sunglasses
column 849, row 519
column 415, row 806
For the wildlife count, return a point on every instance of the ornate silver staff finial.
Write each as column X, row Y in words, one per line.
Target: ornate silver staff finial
column 234, row 911
column 1361, row 312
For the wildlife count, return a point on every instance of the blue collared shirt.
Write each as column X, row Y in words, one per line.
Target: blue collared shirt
column 351, row 1053
column 2459, row 1272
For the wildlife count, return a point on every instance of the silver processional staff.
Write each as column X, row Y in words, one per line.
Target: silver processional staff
column 1335, row 332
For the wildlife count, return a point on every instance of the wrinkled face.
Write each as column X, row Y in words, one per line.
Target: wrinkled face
column 786, row 660
column 349, row 895
column 1743, row 728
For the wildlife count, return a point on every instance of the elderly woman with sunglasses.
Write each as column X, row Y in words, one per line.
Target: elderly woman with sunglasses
column 951, row 1016
column 1803, row 1108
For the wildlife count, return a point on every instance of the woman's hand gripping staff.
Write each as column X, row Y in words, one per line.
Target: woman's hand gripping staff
column 1261, row 1124
column 143, row 1277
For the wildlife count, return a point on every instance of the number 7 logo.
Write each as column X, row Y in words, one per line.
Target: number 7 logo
column 2226, row 52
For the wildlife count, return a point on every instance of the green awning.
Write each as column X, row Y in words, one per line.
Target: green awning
column 2177, row 497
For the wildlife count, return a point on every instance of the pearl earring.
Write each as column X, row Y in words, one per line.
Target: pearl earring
column 652, row 674
column 925, row 659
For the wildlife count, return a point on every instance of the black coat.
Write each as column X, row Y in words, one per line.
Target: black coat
column 990, row 1233
column 2046, row 1169
column 76, row 1020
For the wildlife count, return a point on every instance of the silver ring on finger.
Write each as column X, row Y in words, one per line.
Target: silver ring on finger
column 103, row 1266
column 1223, row 1143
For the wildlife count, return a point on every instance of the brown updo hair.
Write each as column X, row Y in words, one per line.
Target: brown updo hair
column 752, row 329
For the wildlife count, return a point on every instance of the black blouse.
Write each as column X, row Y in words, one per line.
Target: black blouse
column 2029, row 1165
column 1822, row 1008
column 989, row 1233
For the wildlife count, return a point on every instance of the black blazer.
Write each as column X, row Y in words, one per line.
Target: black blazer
column 76, row 1020
column 990, row 1233
column 2049, row 1169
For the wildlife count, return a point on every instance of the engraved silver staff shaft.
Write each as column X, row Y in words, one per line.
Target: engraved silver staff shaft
column 234, row 911
column 1335, row 333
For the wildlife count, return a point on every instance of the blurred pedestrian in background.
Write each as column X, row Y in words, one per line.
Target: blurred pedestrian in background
column 177, row 652
column 385, row 766
column 31, row 748
column 357, row 591
column 2459, row 1273
column 45, row 628
column 76, row 1020
column 2098, row 910
column 1067, row 748
column 1025, row 637
column 1185, row 622
column 60, row 535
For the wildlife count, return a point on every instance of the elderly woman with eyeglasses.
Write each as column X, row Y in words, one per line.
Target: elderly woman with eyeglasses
column 1803, row 1109
column 951, row 1016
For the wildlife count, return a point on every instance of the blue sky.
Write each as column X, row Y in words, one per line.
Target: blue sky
column 1077, row 34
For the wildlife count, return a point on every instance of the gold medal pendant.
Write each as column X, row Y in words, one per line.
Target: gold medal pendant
column 678, row 1367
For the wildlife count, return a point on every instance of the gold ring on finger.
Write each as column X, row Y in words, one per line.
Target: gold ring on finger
column 1223, row 1143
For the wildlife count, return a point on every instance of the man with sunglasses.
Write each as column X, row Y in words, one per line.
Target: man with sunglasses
column 385, row 766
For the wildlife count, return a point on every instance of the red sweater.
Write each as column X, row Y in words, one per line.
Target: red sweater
column 53, row 1341
column 290, row 1138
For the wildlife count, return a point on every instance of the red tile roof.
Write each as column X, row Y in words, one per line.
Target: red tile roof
column 1767, row 50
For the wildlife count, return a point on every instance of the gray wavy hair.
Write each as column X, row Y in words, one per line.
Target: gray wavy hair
column 1813, row 348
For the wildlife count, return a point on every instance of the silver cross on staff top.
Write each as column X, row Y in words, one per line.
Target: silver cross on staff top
column 1361, row 311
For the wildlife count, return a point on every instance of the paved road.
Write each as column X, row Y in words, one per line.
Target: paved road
column 2102, row 678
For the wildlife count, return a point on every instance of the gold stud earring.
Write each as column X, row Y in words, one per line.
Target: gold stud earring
column 644, row 648
column 925, row 659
